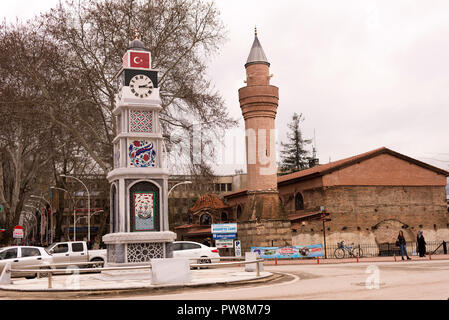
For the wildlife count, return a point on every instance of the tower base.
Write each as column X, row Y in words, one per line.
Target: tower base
column 264, row 222
column 138, row 247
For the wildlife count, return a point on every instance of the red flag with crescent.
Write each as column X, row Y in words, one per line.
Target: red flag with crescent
column 139, row 60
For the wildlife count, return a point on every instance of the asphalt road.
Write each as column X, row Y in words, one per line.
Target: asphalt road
column 420, row 280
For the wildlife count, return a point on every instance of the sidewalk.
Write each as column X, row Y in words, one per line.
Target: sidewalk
column 322, row 260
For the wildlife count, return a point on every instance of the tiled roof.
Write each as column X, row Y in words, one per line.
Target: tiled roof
column 207, row 201
column 335, row 165
column 332, row 166
column 326, row 167
column 199, row 231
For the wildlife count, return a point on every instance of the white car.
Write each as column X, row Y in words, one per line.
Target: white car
column 25, row 257
column 76, row 252
column 195, row 250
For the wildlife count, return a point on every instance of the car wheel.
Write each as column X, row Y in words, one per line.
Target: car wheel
column 44, row 274
column 205, row 260
column 96, row 265
column 31, row 277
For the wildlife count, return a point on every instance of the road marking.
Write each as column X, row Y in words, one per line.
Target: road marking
column 202, row 291
column 295, row 279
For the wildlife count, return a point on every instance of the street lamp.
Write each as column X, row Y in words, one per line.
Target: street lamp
column 88, row 204
column 184, row 182
column 323, row 215
column 51, row 218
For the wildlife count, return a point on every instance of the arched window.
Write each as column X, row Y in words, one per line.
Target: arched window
column 299, row 202
column 224, row 216
column 239, row 211
column 205, row 219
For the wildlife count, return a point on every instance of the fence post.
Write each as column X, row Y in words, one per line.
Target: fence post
column 394, row 254
column 49, row 280
column 257, row 268
column 275, row 261
column 318, row 260
column 430, row 256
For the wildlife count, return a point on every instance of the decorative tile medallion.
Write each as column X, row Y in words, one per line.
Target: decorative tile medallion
column 144, row 252
column 141, row 153
column 140, row 121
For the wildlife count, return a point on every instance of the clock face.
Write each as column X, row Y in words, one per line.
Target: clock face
column 141, row 86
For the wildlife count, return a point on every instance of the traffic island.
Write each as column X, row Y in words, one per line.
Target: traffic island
column 85, row 284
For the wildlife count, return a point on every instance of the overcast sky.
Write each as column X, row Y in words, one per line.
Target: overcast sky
column 364, row 74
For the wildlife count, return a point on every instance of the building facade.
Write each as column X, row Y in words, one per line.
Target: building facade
column 369, row 198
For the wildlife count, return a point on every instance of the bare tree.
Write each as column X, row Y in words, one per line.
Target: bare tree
column 67, row 59
column 93, row 36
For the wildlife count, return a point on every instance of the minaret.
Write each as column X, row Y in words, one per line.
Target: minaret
column 139, row 181
column 259, row 102
column 263, row 210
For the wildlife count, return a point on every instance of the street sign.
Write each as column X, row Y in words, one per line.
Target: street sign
column 17, row 232
column 217, row 236
column 224, row 228
column 238, row 248
column 224, row 243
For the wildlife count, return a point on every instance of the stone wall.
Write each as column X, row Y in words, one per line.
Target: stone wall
column 264, row 233
column 375, row 214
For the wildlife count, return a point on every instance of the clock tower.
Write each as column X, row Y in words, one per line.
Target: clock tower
column 139, row 180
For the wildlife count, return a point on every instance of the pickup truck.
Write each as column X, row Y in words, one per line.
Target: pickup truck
column 75, row 252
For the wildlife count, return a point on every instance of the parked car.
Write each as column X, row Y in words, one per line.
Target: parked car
column 190, row 249
column 25, row 257
column 76, row 252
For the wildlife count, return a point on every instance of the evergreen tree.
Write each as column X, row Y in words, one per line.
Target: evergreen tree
column 294, row 155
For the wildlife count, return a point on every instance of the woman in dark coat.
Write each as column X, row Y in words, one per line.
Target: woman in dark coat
column 421, row 244
column 402, row 244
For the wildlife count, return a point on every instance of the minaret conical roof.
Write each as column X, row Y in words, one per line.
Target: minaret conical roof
column 256, row 55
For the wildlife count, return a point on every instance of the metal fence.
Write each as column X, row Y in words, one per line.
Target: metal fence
column 387, row 249
column 52, row 268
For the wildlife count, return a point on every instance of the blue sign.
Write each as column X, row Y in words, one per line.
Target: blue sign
column 310, row 251
column 224, row 236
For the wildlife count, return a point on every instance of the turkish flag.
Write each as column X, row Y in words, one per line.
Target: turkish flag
column 139, row 60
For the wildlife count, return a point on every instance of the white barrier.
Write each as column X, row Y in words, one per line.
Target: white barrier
column 170, row 271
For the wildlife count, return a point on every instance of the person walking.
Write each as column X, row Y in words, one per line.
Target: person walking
column 402, row 244
column 421, row 244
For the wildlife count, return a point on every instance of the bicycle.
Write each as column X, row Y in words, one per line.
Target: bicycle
column 340, row 252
